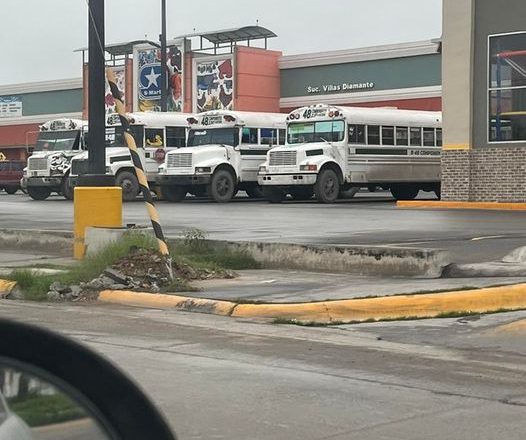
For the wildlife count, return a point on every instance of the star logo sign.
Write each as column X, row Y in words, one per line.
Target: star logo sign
column 152, row 78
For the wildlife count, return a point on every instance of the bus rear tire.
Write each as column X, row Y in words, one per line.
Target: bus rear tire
column 301, row 193
column 273, row 195
column 405, row 191
column 129, row 184
column 37, row 193
column 222, row 188
column 327, row 186
column 11, row 189
column 174, row 193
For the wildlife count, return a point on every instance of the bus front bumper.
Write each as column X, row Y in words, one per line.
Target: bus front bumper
column 194, row 179
column 43, row 181
column 287, row 179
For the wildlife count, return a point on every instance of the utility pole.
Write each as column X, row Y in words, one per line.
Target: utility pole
column 96, row 90
column 164, row 69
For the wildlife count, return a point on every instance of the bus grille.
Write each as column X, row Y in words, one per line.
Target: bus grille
column 37, row 164
column 179, row 160
column 79, row 167
column 282, row 158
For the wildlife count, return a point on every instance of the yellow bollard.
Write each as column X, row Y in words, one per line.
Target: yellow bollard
column 95, row 206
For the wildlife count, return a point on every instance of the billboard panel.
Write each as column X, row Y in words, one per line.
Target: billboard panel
column 10, row 106
column 147, row 67
column 213, row 84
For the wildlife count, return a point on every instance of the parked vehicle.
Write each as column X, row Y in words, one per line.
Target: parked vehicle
column 330, row 149
column 11, row 173
column 154, row 134
column 225, row 150
column 49, row 165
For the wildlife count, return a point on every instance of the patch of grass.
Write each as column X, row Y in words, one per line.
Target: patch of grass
column 197, row 251
column 36, row 286
column 41, row 410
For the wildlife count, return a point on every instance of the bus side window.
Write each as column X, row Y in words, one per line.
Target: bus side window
column 282, row 136
column 268, row 136
column 388, row 135
column 415, row 136
column 154, row 137
column 373, row 134
column 175, row 137
column 250, row 136
column 439, row 137
column 357, row 134
column 402, row 136
column 429, row 137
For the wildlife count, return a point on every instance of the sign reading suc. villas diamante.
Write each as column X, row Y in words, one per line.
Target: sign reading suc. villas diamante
column 336, row 88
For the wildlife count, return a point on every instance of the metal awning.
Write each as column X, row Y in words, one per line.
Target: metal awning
column 245, row 33
column 120, row 49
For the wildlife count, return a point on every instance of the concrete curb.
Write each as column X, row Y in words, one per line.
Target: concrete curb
column 485, row 300
column 438, row 204
column 360, row 260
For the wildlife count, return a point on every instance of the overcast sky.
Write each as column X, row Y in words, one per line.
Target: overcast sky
column 37, row 37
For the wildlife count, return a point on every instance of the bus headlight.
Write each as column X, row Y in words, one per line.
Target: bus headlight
column 308, row 167
column 108, row 170
column 203, row 170
column 262, row 169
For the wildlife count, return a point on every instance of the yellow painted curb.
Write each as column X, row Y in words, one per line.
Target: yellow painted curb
column 352, row 310
column 140, row 299
column 6, row 286
column 438, row 204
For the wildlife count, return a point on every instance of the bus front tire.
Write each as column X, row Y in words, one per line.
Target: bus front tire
column 222, row 188
column 67, row 190
column 129, row 184
column 405, row 191
column 327, row 186
column 174, row 193
column 273, row 195
column 37, row 193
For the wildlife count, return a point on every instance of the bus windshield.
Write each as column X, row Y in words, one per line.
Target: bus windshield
column 58, row 140
column 209, row 136
column 322, row 131
column 115, row 138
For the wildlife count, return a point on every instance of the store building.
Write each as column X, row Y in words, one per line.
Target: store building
column 484, row 94
column 231, row 69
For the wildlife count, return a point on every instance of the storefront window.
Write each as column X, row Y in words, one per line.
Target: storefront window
column 507, row 88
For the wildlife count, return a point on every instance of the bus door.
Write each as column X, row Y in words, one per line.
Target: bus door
column 253, row 148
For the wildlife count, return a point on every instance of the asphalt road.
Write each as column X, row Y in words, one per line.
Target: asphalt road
column 368, row 219
column 220, row 378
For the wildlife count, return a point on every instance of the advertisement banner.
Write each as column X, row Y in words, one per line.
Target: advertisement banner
column 10, row 107
column 214, row 85
column 120, row 77
column 148, row 78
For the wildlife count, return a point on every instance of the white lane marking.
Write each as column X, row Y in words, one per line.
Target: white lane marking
column 489, row 237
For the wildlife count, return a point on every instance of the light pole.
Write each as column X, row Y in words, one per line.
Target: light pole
column 164, row 79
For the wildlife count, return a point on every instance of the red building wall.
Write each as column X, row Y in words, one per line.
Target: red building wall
column 14, row 138
column 257, row 80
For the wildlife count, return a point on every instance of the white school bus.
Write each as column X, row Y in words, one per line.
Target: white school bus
column 331, row 149
column 224, row 152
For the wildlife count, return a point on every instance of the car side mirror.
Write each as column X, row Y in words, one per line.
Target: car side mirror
column 53, row 386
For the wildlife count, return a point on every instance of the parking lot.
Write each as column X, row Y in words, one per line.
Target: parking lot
column 367, row 219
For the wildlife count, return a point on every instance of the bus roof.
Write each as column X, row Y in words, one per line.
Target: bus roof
column 160, row 119
column 372, row 115
column 249, row 119
column 63, row 124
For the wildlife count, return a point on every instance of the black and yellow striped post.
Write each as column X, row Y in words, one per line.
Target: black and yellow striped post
column 139, row 170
